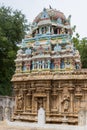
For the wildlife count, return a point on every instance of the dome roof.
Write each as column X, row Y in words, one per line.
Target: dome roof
column 52, row 14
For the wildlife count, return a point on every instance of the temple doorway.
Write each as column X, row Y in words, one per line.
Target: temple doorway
column 41, row 103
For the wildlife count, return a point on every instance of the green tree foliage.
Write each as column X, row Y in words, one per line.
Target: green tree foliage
column 81, row 45
column 13, row 26
column 83, row 51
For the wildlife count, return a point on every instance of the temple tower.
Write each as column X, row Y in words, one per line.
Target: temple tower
column 48, row 71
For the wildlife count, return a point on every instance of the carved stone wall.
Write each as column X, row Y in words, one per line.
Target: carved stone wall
column 60, row 96
column 6, row 107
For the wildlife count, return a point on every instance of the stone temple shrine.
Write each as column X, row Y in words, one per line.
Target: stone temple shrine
column 48, row 72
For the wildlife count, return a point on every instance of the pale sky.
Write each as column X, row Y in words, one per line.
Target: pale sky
column 31, row 8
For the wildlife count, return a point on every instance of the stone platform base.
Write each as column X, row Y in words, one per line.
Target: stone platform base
column 7, row 125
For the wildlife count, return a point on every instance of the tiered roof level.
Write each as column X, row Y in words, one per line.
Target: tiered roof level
column 48, row 46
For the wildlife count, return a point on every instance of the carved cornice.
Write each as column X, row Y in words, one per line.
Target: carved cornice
column 50, row 76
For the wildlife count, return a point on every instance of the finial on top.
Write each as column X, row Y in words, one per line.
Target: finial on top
column 50, row 7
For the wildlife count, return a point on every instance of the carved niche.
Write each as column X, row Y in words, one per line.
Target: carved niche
column 65, row 99
column 20, row 100
column 54, row 105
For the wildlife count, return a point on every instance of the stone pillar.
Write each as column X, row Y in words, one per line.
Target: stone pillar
column 49, row 29
column 36, row 100
column 33, row 65
column 37, row 64
column 58, row 31
column 71, row 102
column 54, row 101
column 60, row 102
column 52, row 31
column 48, row 101
column 15, row 103
column 43, row 64
column 25, row 100
column 40, row 31
column 44, row 103
column 33, row 102
column 85, row 97
column 79, row 103
column 86, row 118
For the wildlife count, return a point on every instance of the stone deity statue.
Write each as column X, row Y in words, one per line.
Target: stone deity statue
column 20, row 102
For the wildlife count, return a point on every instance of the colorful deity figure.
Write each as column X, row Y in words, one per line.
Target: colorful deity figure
column 62, row 64
column 67, row 64
column 48, row 64
column 37, row 64
column 52, row 31
column 28, row 65
column 52, row 64
column 28, row 51
column 63, row 31
column 24, row 66
column 59, row 20
column 77, row 66
column 57, row 48
column 37, row 43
